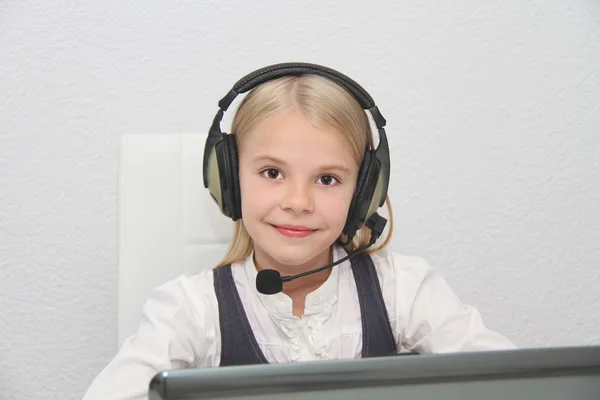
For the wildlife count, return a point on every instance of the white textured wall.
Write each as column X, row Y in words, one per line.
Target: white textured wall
column 493, row 116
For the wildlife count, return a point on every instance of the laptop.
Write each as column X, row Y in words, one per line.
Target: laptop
column 565, row 373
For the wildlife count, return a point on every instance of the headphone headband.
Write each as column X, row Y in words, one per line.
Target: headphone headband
column 276, row 71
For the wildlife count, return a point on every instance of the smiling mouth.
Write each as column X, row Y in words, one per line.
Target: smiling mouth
column 294, row 231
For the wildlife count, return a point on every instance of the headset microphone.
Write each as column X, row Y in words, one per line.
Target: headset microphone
column 270, row 281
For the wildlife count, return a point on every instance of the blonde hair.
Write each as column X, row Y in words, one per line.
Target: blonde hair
column 324, row 103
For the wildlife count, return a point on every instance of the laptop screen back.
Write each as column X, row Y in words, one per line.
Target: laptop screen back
column 559, row 373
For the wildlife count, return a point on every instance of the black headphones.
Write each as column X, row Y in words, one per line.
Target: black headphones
column 220, row 164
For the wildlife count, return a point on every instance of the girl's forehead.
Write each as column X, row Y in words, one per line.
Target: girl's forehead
column 292, row 135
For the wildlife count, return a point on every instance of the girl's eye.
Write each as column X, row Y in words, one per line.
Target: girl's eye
column 328, row 180
column 271, row 173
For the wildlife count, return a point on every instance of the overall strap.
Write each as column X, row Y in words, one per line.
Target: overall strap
column 378, row 339
column 238, row 344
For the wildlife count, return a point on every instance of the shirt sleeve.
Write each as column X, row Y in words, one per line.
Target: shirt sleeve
column 432, row 318
column 169, row 337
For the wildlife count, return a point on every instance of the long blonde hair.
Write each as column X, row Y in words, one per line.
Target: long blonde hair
column 324, row 103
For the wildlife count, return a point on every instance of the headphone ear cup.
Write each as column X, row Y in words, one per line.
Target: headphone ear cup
column 222, row 176
column 363, row 194
column 231, row 157
column 219, row 186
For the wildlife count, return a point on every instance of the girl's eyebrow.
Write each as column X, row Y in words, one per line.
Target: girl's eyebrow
column 275, row 160
column 266, row 157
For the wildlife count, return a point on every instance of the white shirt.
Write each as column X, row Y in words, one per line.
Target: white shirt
column 180, row 322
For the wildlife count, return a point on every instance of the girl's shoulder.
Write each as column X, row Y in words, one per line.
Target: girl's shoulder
column 186, row 283
column 197, row 288
column 394, row 262
column 184, row 290
column 185, row 303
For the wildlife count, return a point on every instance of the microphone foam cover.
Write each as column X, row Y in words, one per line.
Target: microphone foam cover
column 268, row 281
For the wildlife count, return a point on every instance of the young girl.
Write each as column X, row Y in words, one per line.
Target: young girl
column 302, row 181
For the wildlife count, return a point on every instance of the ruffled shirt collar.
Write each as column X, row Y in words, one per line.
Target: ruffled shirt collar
column 318, row 308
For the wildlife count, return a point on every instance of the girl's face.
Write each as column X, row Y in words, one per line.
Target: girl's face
column 296, row 185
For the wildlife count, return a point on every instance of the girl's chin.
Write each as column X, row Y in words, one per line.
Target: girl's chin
column 292, row 255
